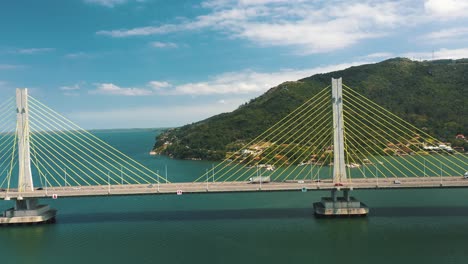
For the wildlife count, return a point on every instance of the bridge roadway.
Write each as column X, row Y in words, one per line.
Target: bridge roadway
column 226, row 187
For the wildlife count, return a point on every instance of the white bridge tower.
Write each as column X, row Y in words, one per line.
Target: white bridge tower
column 25, row 181
column 339, row 169
column 26, row 210
column 334, row 205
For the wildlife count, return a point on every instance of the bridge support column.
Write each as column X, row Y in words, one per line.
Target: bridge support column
column 333, row 195
column 340, row 206
column 346, row 195
column 28, row 211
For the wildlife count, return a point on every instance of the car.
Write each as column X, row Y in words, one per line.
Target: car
column 2, row 190
column 339, row 184
column 396, row 182
column 465, row 175
column 39, row 189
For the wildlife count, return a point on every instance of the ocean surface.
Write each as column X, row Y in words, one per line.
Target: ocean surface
column 404, row 226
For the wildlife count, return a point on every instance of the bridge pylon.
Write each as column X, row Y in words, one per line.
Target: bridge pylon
column 25, row 181
column 334, row 205
column 26, row 210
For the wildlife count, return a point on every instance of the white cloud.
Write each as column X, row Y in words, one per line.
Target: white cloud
column 159, row 85
column 238, row 83
column 308, row 37
column 152, row 88
column 106, row 3
column 449, row 34
column 233, row 84
column 30, row 51
column 251, row 82
column 112, row 89
column 140, row 31
column 217, row 4
column 447, row 9
column 241, row 82
column 157, row 44
column 70, row 88
column 10, row 66
column 306, row 25
column 152, row 116
column 309, row 27
column 439, row 54
column 379, row 55
column 77, row 55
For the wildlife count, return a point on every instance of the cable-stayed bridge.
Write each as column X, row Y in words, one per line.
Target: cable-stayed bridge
column 338, row 141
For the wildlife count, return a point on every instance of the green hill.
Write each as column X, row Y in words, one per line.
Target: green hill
column 432, row 95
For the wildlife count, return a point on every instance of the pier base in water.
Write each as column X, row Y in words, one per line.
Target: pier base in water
column 340, row 206
column 28, row 211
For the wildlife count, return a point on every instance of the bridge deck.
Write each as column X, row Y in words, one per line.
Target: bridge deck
column 225, row 187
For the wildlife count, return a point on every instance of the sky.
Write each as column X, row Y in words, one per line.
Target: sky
column 153, row 63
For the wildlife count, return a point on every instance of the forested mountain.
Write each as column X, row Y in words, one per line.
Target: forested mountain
column 432, row 95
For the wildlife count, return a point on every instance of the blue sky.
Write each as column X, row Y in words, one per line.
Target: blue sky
column 153, row 63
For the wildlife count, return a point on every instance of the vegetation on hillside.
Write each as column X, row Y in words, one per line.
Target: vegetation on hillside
column 432, row 95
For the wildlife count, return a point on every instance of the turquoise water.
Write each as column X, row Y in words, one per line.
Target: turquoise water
column 405, row 226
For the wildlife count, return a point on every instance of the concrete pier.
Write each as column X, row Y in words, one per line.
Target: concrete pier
column 28, row 211
column 340, row 206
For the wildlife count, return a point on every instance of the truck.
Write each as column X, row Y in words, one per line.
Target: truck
column 260, row 179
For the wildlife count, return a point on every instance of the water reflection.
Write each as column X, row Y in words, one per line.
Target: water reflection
column 187, row 215
column 435, row 211
column 26, row 241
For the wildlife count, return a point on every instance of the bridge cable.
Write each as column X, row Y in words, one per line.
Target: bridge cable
column 382, row 110
column 278, row 125
column 399, row 129
column 277, row 142
column 289, row 122
column 93, row 139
